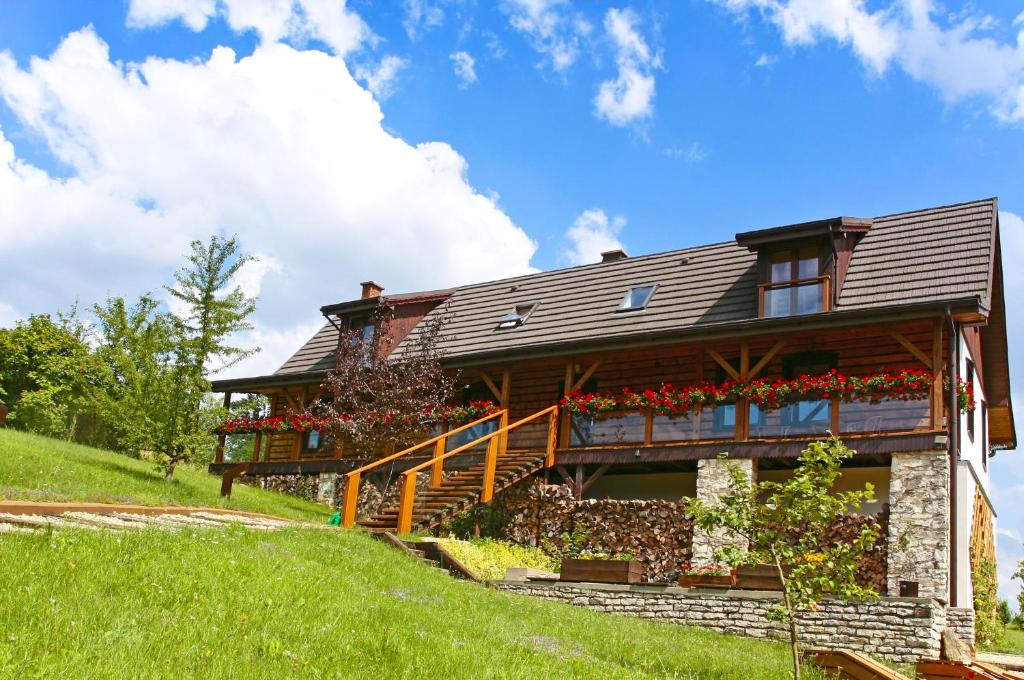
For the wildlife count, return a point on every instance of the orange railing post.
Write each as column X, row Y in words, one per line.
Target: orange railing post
column 348, row 512
column 552, row 438
column 437, row 469
column 490, row 465
column 405, row 502
column 503, row 426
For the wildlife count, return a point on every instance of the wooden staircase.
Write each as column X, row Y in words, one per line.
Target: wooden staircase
column 499, row 469
column 459, row 492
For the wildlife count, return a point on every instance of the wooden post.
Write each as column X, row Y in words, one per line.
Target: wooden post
column 297, row 445
column 504, row 400
column 405, row 502
column 648, row 427
column 503, row 437
column 348, row 512
column 834, row 425
column 937, row 391
column 743, row 405
column 577, row 485
column 437, row 469
column 490, row 465
column 256, row 447
column 222, row 439
column 563, row 430
column 552, row 437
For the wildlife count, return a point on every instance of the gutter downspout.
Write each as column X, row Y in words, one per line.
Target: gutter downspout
column 954, row 453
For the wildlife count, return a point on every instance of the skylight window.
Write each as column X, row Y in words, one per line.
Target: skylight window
column 517, row 317
column 636, row 298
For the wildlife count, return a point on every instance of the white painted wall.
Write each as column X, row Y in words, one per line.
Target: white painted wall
column 973, row 454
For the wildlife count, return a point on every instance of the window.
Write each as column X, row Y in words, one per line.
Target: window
column 636, row 298
column 517, row 317
column 969, row 379
column 365, row 330
column 794, row 283
column 313, row 441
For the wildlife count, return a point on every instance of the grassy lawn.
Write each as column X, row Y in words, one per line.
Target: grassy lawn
column 41, row 469
column 313, row 604
column 1012, row 642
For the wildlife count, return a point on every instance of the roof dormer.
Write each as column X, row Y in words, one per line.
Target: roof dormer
column 801, row 267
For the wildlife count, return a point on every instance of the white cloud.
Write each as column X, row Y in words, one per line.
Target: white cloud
column 465, row 68
column 630, row 96
column 553, row 28
column 956, row 53
column 694, row 153
column 282, row 147
column 765, row 60
column 380, row 79
column 328, row 21
column 592, row 234
column 420, row 17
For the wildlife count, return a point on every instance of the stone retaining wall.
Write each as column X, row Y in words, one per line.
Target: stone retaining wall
column 897, row 629
column 961, row 620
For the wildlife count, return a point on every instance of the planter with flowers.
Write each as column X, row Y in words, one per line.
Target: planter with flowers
column 708, row 576
column 600, row 568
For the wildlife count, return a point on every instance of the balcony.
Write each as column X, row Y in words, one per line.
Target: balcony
column 811, row 417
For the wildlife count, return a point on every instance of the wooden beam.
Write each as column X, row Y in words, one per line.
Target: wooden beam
column 744, row 362
column 913, row 349
column 565, row 475
column 577, row 487
column 291, row 401
column 586, row 376
column 937, row 405
column 490, row 385
column 506, row 388
column 724, row 364
column 566, row 419
column 598, row 473
column 753, row 373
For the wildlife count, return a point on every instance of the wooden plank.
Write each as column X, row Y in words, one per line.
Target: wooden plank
column 726, row 366
column 913, row 349
column 597, row 474
column 586, row 375
column 490, row 385
column 768, row 356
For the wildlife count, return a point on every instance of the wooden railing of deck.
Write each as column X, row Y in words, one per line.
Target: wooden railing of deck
column 497, row 445
column 440, row 444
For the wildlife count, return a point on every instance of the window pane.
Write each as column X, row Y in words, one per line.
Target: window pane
column 636, row 298
column 808, row 298
column 313, row 440
column 803, row 417
column 368, row 330
column 782, row 270
column 777, row 301
column 808, row 268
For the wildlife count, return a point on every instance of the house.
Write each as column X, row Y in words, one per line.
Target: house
column 862, row 320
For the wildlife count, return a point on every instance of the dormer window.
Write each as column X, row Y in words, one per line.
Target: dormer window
column 796, row 284
column 636, row 298
column 517, row 317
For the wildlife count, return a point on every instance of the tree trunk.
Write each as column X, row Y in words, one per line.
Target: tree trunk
column 794, row 639
column 169, row 470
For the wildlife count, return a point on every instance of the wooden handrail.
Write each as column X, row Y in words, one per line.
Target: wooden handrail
column 497, row 443
column 440, row 442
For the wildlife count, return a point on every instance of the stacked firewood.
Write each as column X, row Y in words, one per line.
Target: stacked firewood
column 657, row 533
column 874, row 564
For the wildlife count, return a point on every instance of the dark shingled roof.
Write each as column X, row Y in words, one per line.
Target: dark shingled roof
column 926, row 256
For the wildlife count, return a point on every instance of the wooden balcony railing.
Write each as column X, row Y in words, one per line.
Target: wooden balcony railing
column 738, row 422
column 818, row 286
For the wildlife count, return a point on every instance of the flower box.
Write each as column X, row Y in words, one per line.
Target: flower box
column 601, row 571
column 708, row 580
column 758, row 577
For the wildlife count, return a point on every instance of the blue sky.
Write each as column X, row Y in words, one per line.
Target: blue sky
column 342, row 142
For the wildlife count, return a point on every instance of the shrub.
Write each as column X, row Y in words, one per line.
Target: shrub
column 488, row 558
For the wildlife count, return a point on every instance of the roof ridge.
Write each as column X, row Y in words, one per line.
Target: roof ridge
column 939, row 208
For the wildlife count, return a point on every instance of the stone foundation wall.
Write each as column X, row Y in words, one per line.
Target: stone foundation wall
column 961, row 620
column 712, row 483
column 919, row 511
column 897, row 629
column 657, row 533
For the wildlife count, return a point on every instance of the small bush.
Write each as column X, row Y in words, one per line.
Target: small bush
column 488, row 558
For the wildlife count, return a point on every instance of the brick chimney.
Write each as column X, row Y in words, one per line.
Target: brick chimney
column 371, row 289
column 614, row 255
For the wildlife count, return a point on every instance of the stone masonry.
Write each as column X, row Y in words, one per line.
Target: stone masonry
column 712, row 483
column 961, row 620
column 897, row 629
column 919, row 511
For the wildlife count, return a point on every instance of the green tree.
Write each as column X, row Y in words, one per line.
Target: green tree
column 1019, row 574
column 213, row 312
column 136, row 344
column 48, row 374
column 785, row 524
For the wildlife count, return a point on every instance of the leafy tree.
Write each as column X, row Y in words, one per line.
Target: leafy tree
column 385, row 399
column 213, row 313
column 48, row 374
column 1019, row 574
column 136, row 343
column 785, row 524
